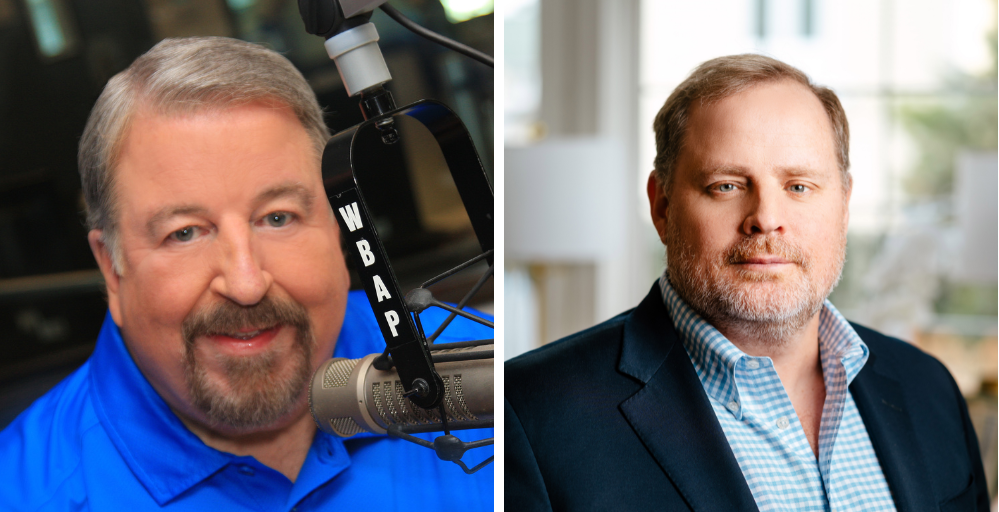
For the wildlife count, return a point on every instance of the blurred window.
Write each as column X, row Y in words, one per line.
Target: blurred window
column 522, row 71
column 807, row 17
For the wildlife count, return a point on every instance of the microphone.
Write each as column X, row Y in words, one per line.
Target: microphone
column 350, row 396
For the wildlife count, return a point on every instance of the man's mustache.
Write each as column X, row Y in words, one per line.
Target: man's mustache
column 227, row 317
column 758, row 246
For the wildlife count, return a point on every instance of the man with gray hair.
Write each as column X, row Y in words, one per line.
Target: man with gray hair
column 735, row 384
column 226, row 289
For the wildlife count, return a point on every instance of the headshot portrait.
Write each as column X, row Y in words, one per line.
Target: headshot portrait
column 235, row 295
column 779, row 179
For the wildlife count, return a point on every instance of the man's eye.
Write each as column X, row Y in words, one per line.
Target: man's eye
column 278, row 219
column 184, row 234
column 726, row 187
column 799, row 188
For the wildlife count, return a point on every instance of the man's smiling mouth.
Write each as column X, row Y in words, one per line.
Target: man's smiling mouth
column 245, row 335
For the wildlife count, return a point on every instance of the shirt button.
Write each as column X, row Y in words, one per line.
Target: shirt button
column 246, row 470
column 782, row 423
column 752, row 364
column 733, row 406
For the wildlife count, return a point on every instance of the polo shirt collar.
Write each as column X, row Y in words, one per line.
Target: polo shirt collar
column 166, row 457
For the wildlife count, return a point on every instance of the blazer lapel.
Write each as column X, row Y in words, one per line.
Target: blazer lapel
column 881, row 404
column 672, row 416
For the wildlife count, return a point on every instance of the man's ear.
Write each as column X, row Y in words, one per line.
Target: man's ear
column 658, row 205
column 111, row 278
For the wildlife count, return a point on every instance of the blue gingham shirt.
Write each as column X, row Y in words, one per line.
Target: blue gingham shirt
column 763, row 430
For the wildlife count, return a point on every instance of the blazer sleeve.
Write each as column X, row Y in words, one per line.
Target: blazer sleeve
column 525, row 489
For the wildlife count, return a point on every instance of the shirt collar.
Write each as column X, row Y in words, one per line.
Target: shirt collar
column 162, row 453
column 715, row 357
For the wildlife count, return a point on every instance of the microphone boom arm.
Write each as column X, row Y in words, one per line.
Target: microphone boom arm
column 409, row 349
column 351, row 41
column 398, row 315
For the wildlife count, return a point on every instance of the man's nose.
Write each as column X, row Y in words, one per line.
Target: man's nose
column 765, row 213
column 241, row 277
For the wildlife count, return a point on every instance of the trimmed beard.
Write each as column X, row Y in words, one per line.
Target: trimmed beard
column 769, row 307
column 255, row 391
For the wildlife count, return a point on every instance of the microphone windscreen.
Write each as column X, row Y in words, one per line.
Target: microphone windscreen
column 349, row 396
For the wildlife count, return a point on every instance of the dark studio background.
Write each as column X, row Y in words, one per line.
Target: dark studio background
column 56, row 56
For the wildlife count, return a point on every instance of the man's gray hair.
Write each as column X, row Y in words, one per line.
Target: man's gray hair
column 182, row 76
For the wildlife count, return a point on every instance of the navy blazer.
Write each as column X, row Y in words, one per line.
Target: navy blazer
column 615, row 418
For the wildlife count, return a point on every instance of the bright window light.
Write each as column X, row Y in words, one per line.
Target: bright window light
column 458, row 11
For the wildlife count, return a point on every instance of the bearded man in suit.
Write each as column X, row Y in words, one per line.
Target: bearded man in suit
column 735, row 384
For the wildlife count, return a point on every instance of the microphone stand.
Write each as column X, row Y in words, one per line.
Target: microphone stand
column 351, row 41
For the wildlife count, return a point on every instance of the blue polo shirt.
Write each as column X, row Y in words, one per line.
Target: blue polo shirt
column 103, row 439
